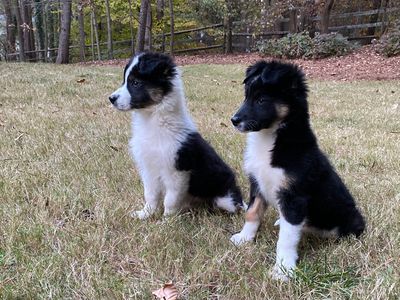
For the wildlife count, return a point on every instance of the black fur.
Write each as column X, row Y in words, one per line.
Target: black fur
column 210, row 176
column 315, row 192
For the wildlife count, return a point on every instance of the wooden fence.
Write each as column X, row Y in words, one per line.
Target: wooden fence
column 244, row 37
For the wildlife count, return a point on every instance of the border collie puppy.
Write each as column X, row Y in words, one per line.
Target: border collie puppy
column 285, row 166
column 174, row 161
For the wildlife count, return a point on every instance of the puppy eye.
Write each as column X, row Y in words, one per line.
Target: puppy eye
column 133, row 81
column 261, row 100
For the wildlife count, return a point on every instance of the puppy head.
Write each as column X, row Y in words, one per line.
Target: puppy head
column 274, row 92
column 147, row 79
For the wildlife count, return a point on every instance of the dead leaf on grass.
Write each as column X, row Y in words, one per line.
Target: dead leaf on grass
column 81, row 80
column 167, row 292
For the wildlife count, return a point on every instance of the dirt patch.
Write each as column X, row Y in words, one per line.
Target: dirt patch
column 362, row 64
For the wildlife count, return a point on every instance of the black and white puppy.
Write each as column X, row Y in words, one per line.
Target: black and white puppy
column 173, row 160
column 285, row 166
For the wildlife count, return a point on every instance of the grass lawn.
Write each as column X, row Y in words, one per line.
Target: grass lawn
column 67, row 185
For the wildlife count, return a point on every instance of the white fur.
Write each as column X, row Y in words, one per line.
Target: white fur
column 257, row 162
column 286, row 249
column 226, row 204
column 247, row 234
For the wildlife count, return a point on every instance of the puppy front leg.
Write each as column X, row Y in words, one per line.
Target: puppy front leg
column 152, row 193
column 253, row 216
column 292, row 216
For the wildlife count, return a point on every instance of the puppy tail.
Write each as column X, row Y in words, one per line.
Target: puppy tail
column 231, row 202
column 355, row 226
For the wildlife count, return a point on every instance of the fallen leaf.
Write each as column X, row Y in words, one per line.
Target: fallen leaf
column 81, row 80
column 167, row 292
column 223, row 124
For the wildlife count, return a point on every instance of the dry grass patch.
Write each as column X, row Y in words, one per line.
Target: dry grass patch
column 67, row 185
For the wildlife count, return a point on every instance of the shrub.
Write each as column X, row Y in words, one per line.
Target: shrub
column 389, row 43
column 301, row 45
column 291, row 46
column 331, row 44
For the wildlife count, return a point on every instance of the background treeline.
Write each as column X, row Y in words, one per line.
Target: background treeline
column 78, row 30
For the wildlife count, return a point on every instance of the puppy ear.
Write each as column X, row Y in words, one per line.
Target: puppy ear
column 161, row 66
column 254, row 70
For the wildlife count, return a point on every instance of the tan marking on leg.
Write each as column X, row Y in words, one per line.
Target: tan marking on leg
column 256, row 210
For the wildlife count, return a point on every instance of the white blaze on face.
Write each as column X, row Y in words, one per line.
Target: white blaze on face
column 123, row 101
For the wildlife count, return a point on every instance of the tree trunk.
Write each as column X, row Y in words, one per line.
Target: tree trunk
column 144, row 5
column 171, row 17
column 131, row 27
column 51, row 31
column 96, row 32
column 20, row 30
column 159, row 17
column 39, row 27
column 149, row 26
column 109, row 31
column 10, row 30
column 29, row 41
column 325, row 13
column 228, row 27
column 81, row 24
column 63, row 45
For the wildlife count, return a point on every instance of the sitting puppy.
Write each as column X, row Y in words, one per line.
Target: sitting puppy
column 174, row 161
column 285, row 166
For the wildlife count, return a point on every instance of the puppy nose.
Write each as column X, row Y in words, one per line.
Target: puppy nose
column 113, row 98
column 235, row 120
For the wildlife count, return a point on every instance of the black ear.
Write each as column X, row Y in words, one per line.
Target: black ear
column 254, row 70
column 285, row 77
column 156, row 66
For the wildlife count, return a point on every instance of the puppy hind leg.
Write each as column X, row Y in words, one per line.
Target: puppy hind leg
column 176, row 190
column 253, row 218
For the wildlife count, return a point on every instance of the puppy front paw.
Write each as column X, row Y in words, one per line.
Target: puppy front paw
column 281, row 272
column 240, row 239
column 141, row 214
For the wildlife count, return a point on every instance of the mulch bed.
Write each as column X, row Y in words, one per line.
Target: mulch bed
column 363, row 64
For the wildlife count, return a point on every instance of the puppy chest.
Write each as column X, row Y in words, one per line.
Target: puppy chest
column 269, row 179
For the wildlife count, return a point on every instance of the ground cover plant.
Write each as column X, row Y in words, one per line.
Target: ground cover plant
column 67, row 186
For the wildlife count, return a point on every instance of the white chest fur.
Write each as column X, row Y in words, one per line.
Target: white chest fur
column 157, row 136
column 257, row 163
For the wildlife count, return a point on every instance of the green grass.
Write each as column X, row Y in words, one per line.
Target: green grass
column 67, row 185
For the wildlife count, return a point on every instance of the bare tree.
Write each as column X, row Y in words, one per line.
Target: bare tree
column 95, row 29
column 39, row 27
column 10, row 29
column 109, row 31
column 63, row 44
column 171, row 17
column 159, row 17
column 20, row 31
column 29, row 39
column 149, row 26
column 131, row 27
column 140, row 40
column 228, row 26
column 325, row 11
column 81, row 24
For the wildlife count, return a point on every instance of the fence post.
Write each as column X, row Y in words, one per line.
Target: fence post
column 228, row 34
column 293, row 20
